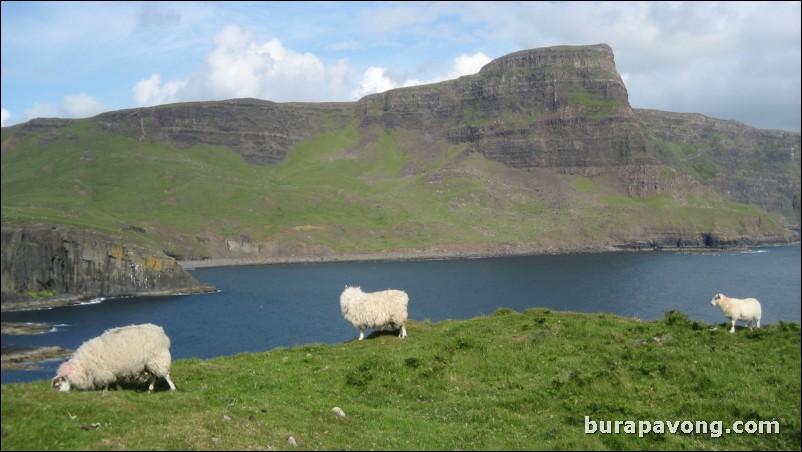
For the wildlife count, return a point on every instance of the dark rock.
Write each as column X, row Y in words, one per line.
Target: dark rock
column 49, row 265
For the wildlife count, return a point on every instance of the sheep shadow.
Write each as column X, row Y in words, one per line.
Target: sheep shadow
column 375, row 334
column 140, row 383
column 752, row 332
column 388, row 332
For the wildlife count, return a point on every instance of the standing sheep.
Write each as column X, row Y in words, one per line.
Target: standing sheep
column 747, row 310
column 119, row 354
column 374, row 310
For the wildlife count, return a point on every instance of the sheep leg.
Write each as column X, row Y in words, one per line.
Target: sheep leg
column 403, row 332
column 732, row 330
column 170, row 382
column 153, row 382
column 361, row 334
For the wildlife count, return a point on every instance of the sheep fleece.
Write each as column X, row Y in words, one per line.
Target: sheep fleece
column 120, row 354
column 375, row 309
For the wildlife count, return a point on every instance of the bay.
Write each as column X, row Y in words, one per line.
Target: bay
column 261, row 307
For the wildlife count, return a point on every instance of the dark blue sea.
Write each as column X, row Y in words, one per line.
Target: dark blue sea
column 263, row 307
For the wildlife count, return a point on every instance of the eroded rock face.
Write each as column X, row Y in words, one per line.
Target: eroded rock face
column 40, row 262
column 747, row 165
column 262, row 132
column 557, row 107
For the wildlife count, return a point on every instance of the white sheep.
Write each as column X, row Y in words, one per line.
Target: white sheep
column 747, row 310
column 375, row 310
column 118, row 355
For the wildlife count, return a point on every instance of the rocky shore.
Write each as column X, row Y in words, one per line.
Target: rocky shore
column 470, row 251
column 24, row 357
column 27, row 304
column 464, row 252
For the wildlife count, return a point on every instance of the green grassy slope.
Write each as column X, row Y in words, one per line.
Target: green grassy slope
column 345, row 190
column 510, row 381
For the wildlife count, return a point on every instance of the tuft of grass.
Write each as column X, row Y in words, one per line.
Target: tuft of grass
column 509, row 381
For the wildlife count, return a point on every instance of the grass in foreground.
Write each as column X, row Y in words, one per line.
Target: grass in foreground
column 510, row 381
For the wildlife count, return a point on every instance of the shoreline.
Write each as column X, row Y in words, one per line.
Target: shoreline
column 512, row 250
column 75, row 300
column 482, row 251
column 27, row 357
column 400, row 256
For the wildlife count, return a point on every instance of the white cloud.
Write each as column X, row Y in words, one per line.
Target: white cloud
column 376, row 80
column 345, row 45
column 468, row 65
column 4, row 115
column 81, row 106
column 77, row 106
column 40, row 110
column 240, row 66
column 152, row 91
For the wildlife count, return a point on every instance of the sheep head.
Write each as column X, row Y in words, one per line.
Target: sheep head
column 717, row 299
column 61, row 380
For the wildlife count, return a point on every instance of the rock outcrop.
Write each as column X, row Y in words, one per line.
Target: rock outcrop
column 263, row 132
column 748, row 165
column 48, row 264
column 558, row 107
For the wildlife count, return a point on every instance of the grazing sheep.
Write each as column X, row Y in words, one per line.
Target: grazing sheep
column 119, row 355
column 747, row 310
column 374, row 310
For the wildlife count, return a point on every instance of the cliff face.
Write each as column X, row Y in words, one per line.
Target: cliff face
column 749, row 165
column 263, row 132
column 41, row 261
column 558, row 107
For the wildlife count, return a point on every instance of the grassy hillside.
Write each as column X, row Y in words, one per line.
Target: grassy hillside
column 348, row 189
column 509, row 381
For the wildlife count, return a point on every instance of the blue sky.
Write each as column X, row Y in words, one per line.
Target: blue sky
column 727, row 60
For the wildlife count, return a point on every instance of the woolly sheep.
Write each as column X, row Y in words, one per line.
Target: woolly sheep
column 119, row 354
column 747, row 310
column 374, row 310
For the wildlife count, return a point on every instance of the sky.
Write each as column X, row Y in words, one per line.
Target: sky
column 726, row 60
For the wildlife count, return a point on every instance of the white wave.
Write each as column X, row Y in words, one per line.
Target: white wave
column 56, row 327
column 93, row 301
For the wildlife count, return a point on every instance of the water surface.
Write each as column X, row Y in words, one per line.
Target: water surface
column 263, row 307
